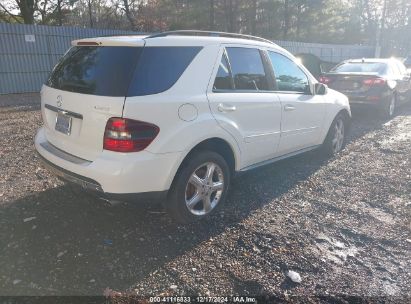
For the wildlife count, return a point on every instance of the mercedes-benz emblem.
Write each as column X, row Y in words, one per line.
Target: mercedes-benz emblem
column 59, row 101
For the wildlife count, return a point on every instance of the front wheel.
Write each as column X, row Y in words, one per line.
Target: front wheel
column 200, row 187
column 336, row 137
column 388, row 109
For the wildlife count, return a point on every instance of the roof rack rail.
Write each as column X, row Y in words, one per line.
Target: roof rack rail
column 125, row 35
column 208, row 33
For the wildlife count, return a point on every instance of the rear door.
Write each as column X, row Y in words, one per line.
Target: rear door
column 242, row 101
column 85, row 89
column 302, row 112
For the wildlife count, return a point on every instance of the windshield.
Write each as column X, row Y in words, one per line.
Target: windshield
column 362, row 67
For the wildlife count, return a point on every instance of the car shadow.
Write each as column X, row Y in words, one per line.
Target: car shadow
column 58, row 242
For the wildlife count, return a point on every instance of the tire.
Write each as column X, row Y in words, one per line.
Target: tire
column 192, row 198
column 387, row 110
column 336, row 136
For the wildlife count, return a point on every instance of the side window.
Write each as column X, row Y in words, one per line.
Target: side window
column 223, row 80
column 289, row 77
column 247, row 69
column 159, row 68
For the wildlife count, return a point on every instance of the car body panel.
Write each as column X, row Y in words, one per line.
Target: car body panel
column 86, row 136
column 120, row 172
column 302, row 121
column 187, row 114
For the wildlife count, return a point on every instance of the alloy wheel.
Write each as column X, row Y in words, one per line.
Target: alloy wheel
column 339, row 134
column 204, row 189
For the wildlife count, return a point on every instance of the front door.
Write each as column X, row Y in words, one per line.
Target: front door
column 302, row 112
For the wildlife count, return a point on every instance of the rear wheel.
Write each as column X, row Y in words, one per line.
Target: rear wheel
column 200, row 187
column 336, row 137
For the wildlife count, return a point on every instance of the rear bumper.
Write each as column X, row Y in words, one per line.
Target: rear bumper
column 375, row 100
column 366, row 103
column 93, row 186
column 82, row 181
column 115, row 176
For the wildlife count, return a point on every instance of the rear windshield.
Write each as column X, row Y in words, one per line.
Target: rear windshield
column 121, row 71
column 104, row 71
column 362, row 67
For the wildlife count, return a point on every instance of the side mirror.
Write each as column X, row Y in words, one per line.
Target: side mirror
column 320, row 89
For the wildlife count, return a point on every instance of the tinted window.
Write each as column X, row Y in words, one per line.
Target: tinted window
column 159, row 68
column 362, row 67
column 223, row 80
column 95, row 70
column 247, row 69
column 288, row 76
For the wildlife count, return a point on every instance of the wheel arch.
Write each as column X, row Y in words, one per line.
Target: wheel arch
column 347, row 117
column 218, row 145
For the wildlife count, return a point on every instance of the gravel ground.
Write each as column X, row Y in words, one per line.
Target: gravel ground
column 342, row 224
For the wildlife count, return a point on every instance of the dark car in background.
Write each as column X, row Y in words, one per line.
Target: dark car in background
column 380, row 83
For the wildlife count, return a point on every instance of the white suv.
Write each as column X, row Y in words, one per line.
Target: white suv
column 173, row 116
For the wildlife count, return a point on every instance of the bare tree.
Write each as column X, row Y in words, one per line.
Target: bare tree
column 212, row 16
column 129, row 15
column 370, row 21
column 230, row 15
column 59, row 15
column 26, row 8
column 90, row 13
column 43, row 10
column 8, row 13
column 300, row 5
column 286, row 19
column 253, row 16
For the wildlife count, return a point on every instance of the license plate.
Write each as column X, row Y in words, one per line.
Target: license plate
column 63, row 123
column 347, row 85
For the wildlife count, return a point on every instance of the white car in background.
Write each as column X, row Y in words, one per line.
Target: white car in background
column 173, row 116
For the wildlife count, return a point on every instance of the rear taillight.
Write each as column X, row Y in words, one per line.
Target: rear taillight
column 325, row 79
column 374, row 81
column 127, row 135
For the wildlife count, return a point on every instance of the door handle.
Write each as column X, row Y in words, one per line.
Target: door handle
column 289, row 108
column 225, row 108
